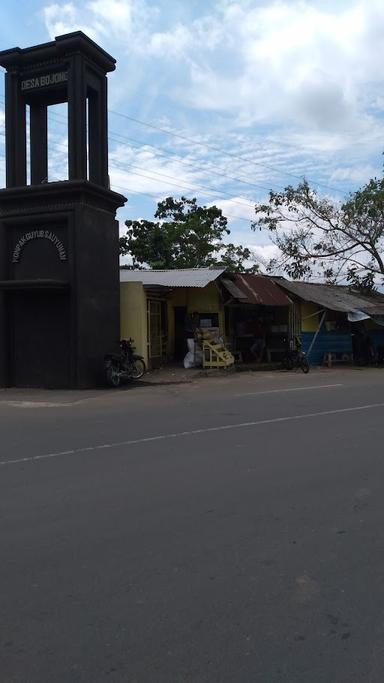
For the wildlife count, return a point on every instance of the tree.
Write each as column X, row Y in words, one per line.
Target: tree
column 341, row 242
column 185, row 235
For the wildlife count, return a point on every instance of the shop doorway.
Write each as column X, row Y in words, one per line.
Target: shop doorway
column 180, row 313
column 157, row 331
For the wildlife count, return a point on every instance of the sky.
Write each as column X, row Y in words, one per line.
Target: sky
column 224, row 100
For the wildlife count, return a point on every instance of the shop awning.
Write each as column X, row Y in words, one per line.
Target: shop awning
column 249, row 288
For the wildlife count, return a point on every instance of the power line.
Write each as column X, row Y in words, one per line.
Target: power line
column 187, row 187
column 197, row 187
column 232, row 155
column 139, row 143
column 222, row 151
column 181, row 160
column 170, row 178
column 155, row 196
column 168, row 153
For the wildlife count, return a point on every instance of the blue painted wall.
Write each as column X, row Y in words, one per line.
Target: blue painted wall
column 337, row 342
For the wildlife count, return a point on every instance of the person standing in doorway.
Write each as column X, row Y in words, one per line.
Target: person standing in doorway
column 191, row 324
column 259, row 341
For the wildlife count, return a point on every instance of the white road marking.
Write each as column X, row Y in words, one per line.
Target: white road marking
column 281, row 391
column 192, row 432
column 38, row 404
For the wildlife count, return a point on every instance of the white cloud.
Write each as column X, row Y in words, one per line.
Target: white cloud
column 170, row 45
column 115, row 12
column 235, row 209
column 64, row 18
column 143, row 170
column 263, row 254
column 290, row 88
column 295, row 61
column 355, row 174
column 298, row 62
column 100, row 19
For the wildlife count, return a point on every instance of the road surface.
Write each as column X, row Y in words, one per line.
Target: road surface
column 225, row 531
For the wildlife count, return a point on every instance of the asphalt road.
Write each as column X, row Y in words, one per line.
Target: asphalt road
column 227, row 531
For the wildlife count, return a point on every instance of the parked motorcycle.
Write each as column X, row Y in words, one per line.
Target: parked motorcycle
column 125, row 366
column 295, row 357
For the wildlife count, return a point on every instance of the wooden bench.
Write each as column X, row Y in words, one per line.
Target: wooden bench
column 332, row 357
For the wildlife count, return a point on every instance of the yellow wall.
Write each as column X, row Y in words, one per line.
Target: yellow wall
column 133, row 316
column 309, row 324
column 133, row 311
column 202, row 300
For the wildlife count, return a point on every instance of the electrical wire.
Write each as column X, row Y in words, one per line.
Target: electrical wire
column 156, row 196
column 224, row 152
column 170, row 178
column 114, row 136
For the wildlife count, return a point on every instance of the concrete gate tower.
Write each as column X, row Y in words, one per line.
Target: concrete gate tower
column 59, row 261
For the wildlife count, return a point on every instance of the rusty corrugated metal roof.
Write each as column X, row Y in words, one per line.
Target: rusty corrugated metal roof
column 334, row 297
column 256, row 289
column 234, row 291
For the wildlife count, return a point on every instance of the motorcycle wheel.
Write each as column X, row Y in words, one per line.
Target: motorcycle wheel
column 304, row 365
column 113, row 376
column 137, row 368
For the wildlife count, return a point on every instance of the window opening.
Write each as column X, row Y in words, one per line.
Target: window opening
column 57, row 142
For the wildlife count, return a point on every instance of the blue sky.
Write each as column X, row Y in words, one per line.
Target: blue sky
column 224, row 99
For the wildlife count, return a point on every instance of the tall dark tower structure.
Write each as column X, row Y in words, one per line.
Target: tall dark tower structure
column 59, row 260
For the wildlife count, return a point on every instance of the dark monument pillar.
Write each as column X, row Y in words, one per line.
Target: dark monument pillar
column 39, row 143
column 59, row 260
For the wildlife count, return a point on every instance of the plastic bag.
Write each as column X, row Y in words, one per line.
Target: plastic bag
column 194, row 357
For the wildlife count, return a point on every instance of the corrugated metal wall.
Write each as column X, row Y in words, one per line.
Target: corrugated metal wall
column 335, row 342
column 326, row 342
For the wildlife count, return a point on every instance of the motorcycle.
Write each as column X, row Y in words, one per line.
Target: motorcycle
column 125, row 366
column 295, row 357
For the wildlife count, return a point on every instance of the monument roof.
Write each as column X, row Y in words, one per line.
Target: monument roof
column 63, row 46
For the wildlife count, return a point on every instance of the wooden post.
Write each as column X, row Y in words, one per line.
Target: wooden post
column 316, row 334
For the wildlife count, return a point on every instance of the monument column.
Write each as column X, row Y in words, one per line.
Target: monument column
column 59, row 241
column 98, row 141
column 39, row 143
column 77, row 122
column 15, row 124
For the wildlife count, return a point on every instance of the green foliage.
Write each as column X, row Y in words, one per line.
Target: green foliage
column 185, row 235
column 232, row 258
column 314, row 234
